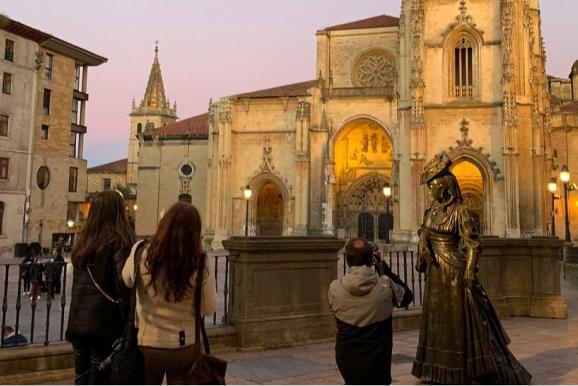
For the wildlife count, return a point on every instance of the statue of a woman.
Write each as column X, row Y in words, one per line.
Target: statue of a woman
column 461, row 338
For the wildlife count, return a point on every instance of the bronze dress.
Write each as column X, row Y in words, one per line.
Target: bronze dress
column 461, row 338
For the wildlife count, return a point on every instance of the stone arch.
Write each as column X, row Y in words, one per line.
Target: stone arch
column 479, row 196
column 388, row 129
column 256, row 184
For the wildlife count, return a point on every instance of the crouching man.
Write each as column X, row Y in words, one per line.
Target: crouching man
column 362, row 302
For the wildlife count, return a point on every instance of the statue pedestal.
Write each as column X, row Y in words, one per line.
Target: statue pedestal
column 522, row 276
column 279, row 289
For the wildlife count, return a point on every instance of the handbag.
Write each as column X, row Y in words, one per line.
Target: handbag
column 125, row 365
column 206, row 369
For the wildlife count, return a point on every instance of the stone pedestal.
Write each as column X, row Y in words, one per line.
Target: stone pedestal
column 522, row 276
column 279, row 289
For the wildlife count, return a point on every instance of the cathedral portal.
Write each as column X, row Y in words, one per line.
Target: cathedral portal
column 269, row 210
column 363, row 156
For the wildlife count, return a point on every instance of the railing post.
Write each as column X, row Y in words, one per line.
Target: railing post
column 412, row 275
column 18, row 301
column 48, row 304
column 63, row 299
column 216, row 285
column 226, row 290
column 4, row 303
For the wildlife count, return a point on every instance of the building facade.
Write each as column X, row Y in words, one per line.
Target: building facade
column 465, row 77
column 55, row 177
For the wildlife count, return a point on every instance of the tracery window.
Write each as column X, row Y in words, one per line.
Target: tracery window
column 463, row 69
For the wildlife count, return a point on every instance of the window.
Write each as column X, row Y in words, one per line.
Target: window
column 74, row 118
column 77, row 77
column 463, row 71
column 72, row 179
column 9, row 50
column 73, row 137
column 4, row 162
column 7, row 83
column 2, row 206
column 186, row 198
column 106, row 184
column 365, row 226
column 384, row 225
column 139, row 128
column 4, row 125
column 46, row 102
column 44, row 132
column 48, row 66
column 43, row 177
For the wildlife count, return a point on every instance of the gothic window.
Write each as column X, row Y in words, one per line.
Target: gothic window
column 365, row 226
column 463, row 74
column 139, row 128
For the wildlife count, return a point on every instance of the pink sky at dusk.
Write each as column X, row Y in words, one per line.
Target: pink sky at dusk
column 216, row 48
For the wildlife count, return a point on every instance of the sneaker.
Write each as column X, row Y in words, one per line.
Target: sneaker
column 38, row 297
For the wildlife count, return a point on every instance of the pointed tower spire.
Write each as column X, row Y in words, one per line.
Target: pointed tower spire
column 154, row 97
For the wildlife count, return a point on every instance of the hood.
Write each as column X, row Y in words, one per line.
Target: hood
column 359, row 281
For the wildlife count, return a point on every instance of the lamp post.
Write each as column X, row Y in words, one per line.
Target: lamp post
column 247, row 194
column 387, row 194
column 565, row 178
column 552, row 187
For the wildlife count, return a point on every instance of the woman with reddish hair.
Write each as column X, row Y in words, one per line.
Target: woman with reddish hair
column 165, row 279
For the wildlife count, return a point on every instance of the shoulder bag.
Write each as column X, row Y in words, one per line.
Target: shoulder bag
column 125, row 365
column 206, row 369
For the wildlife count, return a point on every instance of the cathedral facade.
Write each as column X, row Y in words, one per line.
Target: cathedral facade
column 462, row 76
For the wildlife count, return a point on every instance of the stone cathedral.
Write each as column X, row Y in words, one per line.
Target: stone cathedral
column 462, row 76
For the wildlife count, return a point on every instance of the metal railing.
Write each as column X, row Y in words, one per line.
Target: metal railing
column 402, row 263
column 43, row 319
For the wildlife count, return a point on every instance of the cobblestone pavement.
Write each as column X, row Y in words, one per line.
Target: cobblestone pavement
column 548, row 348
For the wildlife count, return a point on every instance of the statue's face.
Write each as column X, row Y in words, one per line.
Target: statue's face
column 436, row 188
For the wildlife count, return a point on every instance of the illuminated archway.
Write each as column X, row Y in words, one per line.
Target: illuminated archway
column 270, row 210
column 471, row 181
column 363, row 163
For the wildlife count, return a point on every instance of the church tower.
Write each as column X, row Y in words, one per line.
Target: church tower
column 473, row 83
column 154, row 111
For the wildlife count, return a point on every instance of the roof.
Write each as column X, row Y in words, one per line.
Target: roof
column 289, row 90
column 49, row 41
column 197, row 126
column 380, row 21
column 570, row 107
column 119, row 166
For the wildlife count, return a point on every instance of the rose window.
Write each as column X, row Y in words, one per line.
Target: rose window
column 374, row 69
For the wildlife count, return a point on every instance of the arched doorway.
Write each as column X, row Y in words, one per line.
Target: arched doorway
column 363, row 159
column 269, row 210
column 471, row 183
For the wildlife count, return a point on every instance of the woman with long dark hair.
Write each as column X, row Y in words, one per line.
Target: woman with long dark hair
column 95, row 318
column 165, row 293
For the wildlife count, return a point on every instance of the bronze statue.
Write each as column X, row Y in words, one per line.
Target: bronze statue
column 461, row 338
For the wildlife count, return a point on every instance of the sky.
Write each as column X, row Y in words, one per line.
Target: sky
column 214, row 48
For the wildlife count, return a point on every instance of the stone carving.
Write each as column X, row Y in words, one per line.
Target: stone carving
column 267, row 166
column 303, row 110
column 465, row 147
column 463, row 19
column 374, row 69
column 225, row 113
column 367, row 195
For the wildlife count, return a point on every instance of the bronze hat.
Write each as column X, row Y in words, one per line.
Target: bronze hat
column 438, row 166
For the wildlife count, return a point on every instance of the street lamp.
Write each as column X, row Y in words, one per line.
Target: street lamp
column 552, row 187
column 135, row 207
column 387, row 194
column 565, row 178
column 70, row 223
column 247, row 193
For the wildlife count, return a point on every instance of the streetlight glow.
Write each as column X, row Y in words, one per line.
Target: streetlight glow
column 565, row 174
column 247, row 192
column 135, row 207
column 70, row 223
column 552, row 186
column 387, row 191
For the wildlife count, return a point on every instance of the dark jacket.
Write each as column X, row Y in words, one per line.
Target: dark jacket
column 15, row 340
column 90, row 311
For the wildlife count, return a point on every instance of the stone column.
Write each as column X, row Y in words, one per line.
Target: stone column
column 279, row 289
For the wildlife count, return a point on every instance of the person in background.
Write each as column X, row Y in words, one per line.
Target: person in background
column 58, row 269
column 362, row 302
column 165, row 294
column 25, row 271
column 11, row 338
column 36, row 270
column 96, row 320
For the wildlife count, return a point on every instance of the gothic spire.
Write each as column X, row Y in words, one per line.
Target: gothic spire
column 154, row 97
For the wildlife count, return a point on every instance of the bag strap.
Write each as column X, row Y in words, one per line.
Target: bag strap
column 99, row 288
column 199, row 320
column 132, row 311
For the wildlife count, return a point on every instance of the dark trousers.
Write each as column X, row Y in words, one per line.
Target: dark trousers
column 56, row 284
column 172, row 362
column 26, row 285
column 89, row 351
